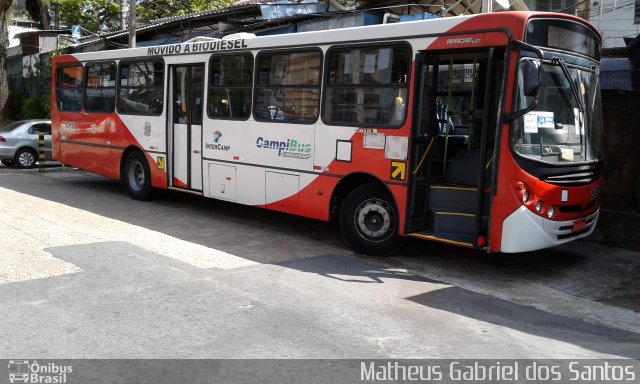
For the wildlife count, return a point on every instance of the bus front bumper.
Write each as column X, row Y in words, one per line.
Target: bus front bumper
column 525, row 231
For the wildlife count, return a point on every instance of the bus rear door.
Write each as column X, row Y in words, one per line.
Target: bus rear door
column 185, row 133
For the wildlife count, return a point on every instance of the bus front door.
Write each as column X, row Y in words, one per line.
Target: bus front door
column 453, row 144
column 187, row 92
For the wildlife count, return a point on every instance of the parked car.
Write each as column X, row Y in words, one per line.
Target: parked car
column 19, row 142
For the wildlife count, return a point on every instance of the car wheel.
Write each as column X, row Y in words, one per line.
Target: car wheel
column 7, row 163
column 369, row 221
column 25, row 158
column 137, row 176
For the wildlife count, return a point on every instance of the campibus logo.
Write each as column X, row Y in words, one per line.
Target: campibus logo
column 286, row 148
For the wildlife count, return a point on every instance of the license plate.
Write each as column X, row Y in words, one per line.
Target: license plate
column 579, row 225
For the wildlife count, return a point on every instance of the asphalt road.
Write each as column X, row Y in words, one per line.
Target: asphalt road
column 86, row 272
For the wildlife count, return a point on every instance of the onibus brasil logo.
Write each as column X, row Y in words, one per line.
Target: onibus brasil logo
column 24, row 371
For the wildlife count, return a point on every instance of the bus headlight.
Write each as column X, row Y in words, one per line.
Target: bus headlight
column 539, row 206
column 551, row 212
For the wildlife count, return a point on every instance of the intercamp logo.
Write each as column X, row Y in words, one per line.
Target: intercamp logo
column 217, row 142
column 23, row 371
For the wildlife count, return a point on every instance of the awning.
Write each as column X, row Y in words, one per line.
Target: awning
column 615, row 73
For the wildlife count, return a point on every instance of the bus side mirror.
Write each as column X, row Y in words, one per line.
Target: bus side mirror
column 530, row 81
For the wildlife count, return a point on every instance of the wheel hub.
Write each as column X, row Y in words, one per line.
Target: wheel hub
column 374, row 219
column 26, row 159
column 136, row 175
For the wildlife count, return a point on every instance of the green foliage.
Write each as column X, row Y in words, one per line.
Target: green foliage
column 14, row 104
column 93, row 15
column 148, row 10
column 38, row 107
column 104, row 15
column 38, row 10
column 33, row 10
column 20, row 106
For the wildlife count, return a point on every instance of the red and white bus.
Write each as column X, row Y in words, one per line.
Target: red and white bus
column 482, row 131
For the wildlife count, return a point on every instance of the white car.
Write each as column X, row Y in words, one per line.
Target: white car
column 19, row 142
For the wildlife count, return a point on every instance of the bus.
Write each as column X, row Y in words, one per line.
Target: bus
column 482, row 131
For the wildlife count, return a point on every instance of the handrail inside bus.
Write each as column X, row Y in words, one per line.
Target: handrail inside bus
column 415, row 171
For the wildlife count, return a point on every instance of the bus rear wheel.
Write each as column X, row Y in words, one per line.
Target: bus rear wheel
column 369, row 221
column 137, row 176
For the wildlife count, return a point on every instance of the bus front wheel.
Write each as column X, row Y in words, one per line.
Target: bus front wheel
column 137, row 176
column 369, row 221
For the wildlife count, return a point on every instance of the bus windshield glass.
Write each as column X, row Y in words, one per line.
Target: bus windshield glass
column 566, row 124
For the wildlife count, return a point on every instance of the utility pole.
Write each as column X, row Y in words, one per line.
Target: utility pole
column 132, row 23
column 487, row 6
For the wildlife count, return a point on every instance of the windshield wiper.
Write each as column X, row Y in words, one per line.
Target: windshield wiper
column 574, row 88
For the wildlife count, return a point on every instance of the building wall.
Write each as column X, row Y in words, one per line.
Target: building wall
column 615, row 19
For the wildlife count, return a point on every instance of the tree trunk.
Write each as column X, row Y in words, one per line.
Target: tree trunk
column 4, row 42
column 44, row 14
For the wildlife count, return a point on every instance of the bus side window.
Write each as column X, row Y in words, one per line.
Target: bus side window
column 141, row 89
column 230, row 83
column 367, row 85
column 288, row 87
column 100, row 89
column 69, row 88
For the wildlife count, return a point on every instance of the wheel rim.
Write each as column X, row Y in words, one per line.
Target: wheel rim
column 375, row 220
column 136, row 175
column 26, row 159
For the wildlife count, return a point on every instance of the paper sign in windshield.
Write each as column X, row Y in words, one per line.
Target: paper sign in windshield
column 535, row 120
column 545, row 120
column 531, row 122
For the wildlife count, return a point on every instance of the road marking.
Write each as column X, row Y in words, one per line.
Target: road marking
column 34, row 224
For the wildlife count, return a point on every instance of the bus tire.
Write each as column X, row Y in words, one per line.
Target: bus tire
column 137, row 176
column 369, row 221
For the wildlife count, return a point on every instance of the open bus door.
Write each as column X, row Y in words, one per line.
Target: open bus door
column 454, row 144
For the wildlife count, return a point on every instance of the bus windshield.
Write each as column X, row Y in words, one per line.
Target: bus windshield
column 566, row 125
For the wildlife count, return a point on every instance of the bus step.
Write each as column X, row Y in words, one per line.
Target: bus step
column 453, row 222
column 456, row 239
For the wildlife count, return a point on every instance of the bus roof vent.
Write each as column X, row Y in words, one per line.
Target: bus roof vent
column 198, row 39
column 239, row 35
